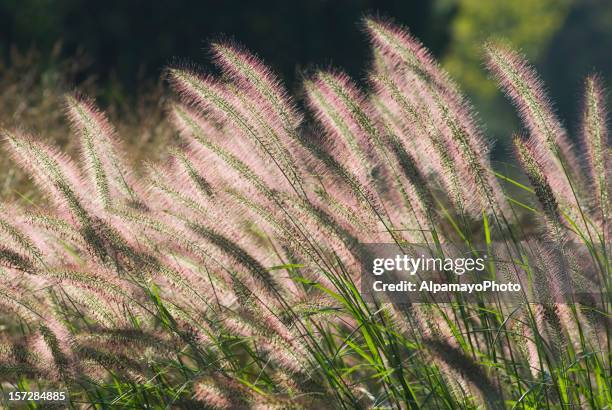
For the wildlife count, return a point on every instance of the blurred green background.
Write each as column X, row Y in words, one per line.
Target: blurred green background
column 118, row 48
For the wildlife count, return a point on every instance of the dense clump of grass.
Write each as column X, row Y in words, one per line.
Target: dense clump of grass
column 229, row 276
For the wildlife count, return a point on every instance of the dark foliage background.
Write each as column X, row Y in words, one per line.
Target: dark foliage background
column 133, row 40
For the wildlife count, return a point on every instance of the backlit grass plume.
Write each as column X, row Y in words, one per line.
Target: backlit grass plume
column 595, row 138
column 229, row 275
column 523, row 86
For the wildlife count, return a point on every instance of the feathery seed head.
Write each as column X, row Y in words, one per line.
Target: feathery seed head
column 595, row 138
column 252, row 75
column 212, row 396
column 104, row 165
column 336, row 103
column 528, row 157
column 53, row 172
column 522, row 85
column 402, row 50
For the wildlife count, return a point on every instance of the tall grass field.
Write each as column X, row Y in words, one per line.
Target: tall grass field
column 231, row 274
